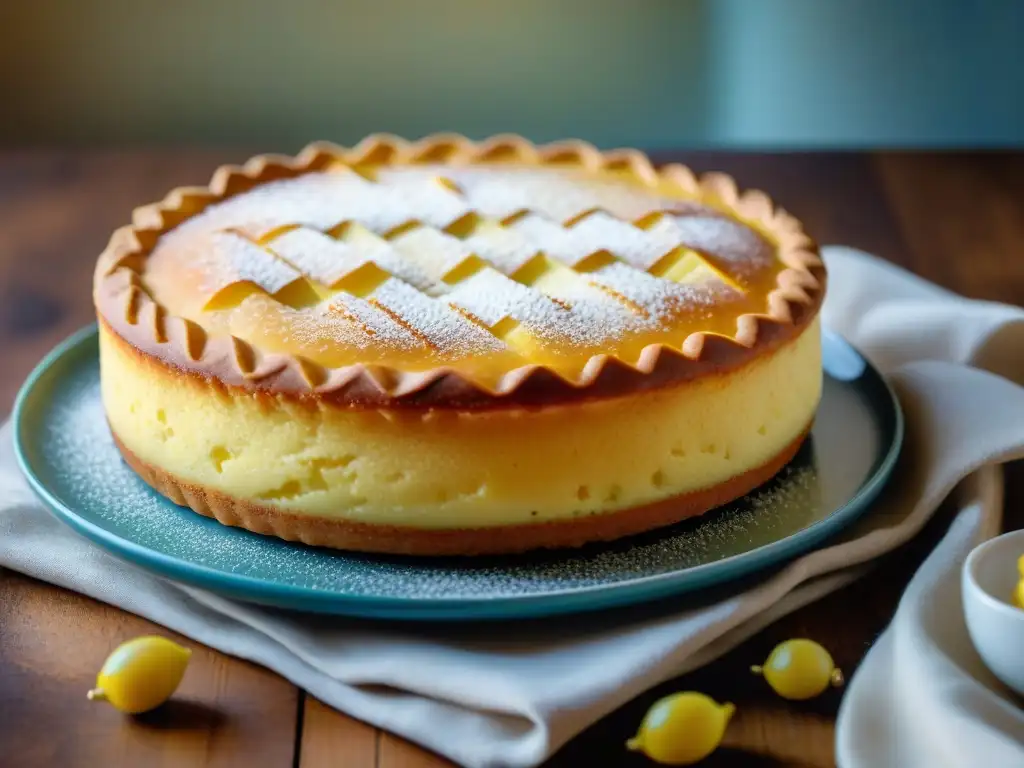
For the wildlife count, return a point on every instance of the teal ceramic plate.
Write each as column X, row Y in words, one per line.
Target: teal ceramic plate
column 67, row 453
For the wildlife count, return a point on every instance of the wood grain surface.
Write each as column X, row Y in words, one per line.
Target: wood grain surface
column 957, row 219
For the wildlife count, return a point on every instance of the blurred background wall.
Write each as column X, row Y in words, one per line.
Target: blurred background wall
column 735, row 73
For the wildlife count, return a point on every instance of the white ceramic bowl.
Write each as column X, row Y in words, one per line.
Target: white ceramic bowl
column 995, row 624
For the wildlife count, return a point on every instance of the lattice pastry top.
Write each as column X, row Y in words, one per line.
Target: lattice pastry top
column 446, row 272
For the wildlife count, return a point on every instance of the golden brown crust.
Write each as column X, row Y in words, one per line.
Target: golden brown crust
column 126, row 307
column 532, row 397
column 390, row 539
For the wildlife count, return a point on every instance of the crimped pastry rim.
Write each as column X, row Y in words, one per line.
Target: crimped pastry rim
column 124, row 304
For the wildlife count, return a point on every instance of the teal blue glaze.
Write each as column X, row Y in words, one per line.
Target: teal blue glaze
column 66, row 452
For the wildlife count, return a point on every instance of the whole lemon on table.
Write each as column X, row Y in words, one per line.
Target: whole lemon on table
column 799, row 669
column 141, row 674
column 682, row 729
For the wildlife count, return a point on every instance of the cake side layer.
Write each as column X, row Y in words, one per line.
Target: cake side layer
column 403, row 540
column 437, row 469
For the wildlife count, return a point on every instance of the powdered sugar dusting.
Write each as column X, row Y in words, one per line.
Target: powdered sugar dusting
column 315, row 200
column 318, row 256
column 553, row 239
column 324, row 200
column 573, row 314
column 600, row 231
column 432, row 251
column 428, row 200
column 506, row 248
column 594, row 317
column 434, row 322
column 232, row 259
column 359, row 323
column 492, row 297
column 383, row 254
column 431, row 292
column 557, row 194
column 659, row 299
column 724, row 238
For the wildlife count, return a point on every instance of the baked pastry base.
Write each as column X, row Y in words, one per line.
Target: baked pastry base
column 365, row 537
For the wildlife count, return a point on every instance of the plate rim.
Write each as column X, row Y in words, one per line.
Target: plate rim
column 567, row 600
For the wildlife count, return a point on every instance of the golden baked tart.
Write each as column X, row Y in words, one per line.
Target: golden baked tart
column 449, row 347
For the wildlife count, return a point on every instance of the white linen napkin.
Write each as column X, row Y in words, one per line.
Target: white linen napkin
column 485, row 697
column 923, row 696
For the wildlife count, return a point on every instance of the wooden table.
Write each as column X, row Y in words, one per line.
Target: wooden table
column 956, row 219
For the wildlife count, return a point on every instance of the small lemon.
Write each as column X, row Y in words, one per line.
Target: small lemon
column 1018, row 594
column 799, row 669
column 141, row 674
column 682, row 728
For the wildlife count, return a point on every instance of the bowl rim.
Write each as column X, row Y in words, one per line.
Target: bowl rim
column 976, row 555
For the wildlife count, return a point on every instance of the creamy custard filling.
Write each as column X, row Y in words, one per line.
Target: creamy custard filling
column 462, row 470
